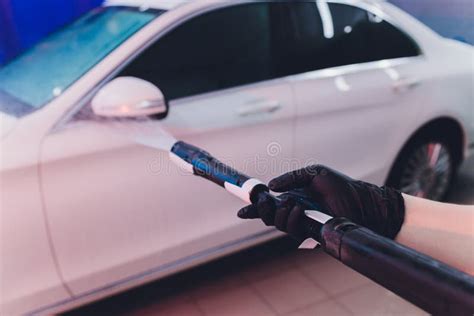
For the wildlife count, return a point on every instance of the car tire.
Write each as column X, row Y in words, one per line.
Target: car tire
column 425, row 167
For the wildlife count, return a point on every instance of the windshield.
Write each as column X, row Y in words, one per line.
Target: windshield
column 46, row 70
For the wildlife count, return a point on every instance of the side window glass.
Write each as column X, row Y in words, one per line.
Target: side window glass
column 297, row 30
column 221, row 49
column 347, row 44
column 248, row 43
column 324, row 35
column 360, row 36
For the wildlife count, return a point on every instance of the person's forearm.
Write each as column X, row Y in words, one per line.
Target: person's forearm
column 440, row 230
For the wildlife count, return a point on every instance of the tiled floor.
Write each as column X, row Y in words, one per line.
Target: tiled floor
column 272, row 279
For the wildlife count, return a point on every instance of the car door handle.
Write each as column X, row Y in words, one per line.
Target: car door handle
column 405, row 84
column 259, row 107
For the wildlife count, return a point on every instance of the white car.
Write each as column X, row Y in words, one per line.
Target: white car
column 265, row 86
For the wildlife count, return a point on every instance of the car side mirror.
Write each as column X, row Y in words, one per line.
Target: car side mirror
column 129, row 97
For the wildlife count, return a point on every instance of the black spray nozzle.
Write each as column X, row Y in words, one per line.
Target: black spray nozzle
column 203, row 164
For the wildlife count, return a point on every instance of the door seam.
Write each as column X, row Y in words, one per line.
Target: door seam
column 47, row 224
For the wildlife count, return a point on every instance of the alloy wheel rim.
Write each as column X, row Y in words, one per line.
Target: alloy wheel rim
column 427, row 172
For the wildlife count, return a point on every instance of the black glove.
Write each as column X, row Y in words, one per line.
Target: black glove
column 380, row 209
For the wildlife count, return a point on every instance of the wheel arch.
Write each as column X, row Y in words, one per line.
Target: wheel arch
column 445, row 127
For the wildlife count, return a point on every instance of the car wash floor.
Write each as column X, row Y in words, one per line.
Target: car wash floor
column 272, row 279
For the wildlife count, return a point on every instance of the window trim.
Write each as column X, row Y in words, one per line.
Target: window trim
column 320, row 73
column 310, row 75
column 356, row 68
column 330, row 72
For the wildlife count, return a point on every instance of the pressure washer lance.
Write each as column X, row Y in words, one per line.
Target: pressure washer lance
column 422, row 280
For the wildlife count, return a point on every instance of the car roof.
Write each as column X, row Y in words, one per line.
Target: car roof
column 152, row 4
column 171, row 4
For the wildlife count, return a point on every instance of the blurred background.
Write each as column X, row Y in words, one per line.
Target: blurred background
column 23, row 23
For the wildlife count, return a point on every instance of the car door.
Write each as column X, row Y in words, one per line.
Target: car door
column 120, row 213
column 356, row 90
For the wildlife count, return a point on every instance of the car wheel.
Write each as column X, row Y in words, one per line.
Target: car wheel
column 425, row 169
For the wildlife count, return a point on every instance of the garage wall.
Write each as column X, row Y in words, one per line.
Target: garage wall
column 24, row 22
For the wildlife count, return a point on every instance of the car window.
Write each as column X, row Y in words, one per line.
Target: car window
column 217, row 50
column 360, row 36
column 301, row 48
column 328, row 35
column 253, row 42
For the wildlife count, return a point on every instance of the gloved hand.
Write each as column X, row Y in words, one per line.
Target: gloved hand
column 380, row 209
